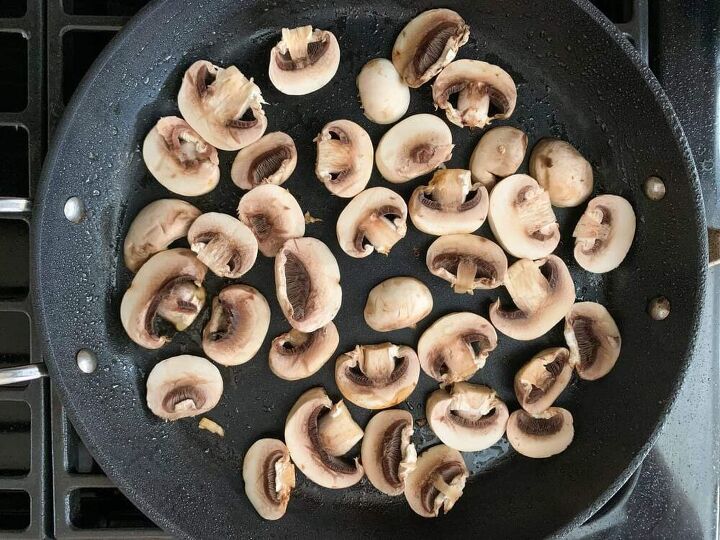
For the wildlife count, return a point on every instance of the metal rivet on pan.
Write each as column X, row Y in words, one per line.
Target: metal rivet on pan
column 74, row 209
column 86, row 361
column 659, row 308
column 654, row 188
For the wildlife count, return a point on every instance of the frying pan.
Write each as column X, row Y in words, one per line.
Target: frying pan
column 577, row 79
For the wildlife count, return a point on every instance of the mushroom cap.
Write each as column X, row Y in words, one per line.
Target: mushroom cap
column 224, row 244
column 377, row 376
column 269, row 477
column 449, row 204
column 374, row 220
column 485, row 93
column 388, row 453
column 542, row 435
column 238, row 325
column 269, row 160
column 339, row 432
column 183, row 386
column 295, row 355
column 302, row 437
column 155, row 227
column 467, row 262
column 522, row 219
column 561, row 171
column 180, row 159
column 593, row 339
column 541, row 380
column 383, row 94
column 344, row 158
column 543, row 292
column 304, row 60
column 427, row 44
column 222, row 105
column 413, row 147
column 455, row 346
column 436, row 482
column 273, row 215
column 307, row 282
column 468, row 418
column 604, row 234
column 498, row 154
column 398, row 302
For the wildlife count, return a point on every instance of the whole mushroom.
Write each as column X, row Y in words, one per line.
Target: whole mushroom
column 269, row 477
column 498, row 154
column 383, row 94
column 437, row 481
column 344, row 158
column 540, row 381
column 223, row 243
column 295, row 355
column 269, row 160
column 562, row 171
column 593, row 339
column 398, row 302
column 540, row 435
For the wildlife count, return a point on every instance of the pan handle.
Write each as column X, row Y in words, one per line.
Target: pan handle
column 20, row 374
column 11, row 207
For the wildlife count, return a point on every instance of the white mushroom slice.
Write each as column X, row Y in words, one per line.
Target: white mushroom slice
column 388, row 453
column 180, row 159
column 543, row 292
column 155, row 227
column 374, row 220
column 183, row 386
column 604, row 234
column 269, row 477
column 169, row 287
column 485, row 93
column 384, row 95
column 295, row 355
column 222, row 105
column 437, row 482
column 398, row 302
column 269, row 160
column 542, row 435
column 455, row 346
column 273, row 215
column 223, row 243
column 498, row 154
column 238, row 325
column 414, row 146
column 467, row 262
column 468, row 418
column 449, row 204
column 427, row 44
column 562, row 171
column 302, row 437
column 307, row 282
column 304, row 60
column 339, row 432
column 593, row 339
column 539, row 382
column 344, row 158
column 522, row 219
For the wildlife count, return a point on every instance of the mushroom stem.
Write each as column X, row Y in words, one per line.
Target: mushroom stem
column 465, row 276
column 338, row 430
column 448, row 493
column 527, row 285
column 181, row 303
column 474, row 105
column 381, row 233
column 591, row 228
column 214, row 253
column 284, row 476
column 333, row 157
column 378, row 363
column 450, row 187
column 234, row 94
column 535, row 211
column 296, row 40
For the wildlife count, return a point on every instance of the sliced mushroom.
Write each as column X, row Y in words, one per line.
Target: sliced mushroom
column 155, row 227
column 238, row 325
column 339, row 432
column 604, row 234
column 398, row 302
column 539, row 382
column 377, row 376
column 384, row 95
column 468, row 418
column 522, row 219
column 222, row 105
column 437, row 482
column 455, row 346
column 485, row 93
column 307, row 281
column 273, row 215
column 374, row 220
column 269, row 477
column 344, row 158
column 414, row 146
column 169, row 287
column 295, row 355
column 541, row 435
column 304, row 60
column 498, row 154
column 467, row 262
column 543, row 292
column 387, row 451
column 223, row 243
column 183, row 386
column 593, row 339
column 427, row 44
column 562, row 171
column 302, row 437
column 269, row 160
column 180, row 159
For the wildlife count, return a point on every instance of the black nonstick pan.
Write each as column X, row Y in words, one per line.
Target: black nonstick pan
column 578, row 79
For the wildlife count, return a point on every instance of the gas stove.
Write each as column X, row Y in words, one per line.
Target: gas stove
column 50, row 486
